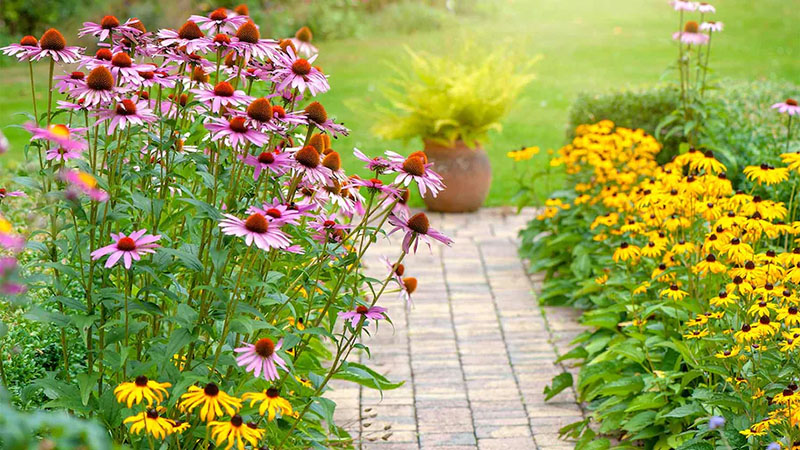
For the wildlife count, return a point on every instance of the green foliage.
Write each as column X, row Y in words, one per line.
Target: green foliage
column 410, row 16
column 23, row 431
column 453, row 97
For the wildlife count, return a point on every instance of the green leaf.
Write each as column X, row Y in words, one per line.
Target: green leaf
column 363, row 375
column 86, row 384
column 648, row 400
column 623, row 386
column 559, row 383
column 630, row 349
column 690, row 409
column 575, row 353
column 640, row 421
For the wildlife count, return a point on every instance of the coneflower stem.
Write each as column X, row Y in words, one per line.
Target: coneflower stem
column 788, row 132
column 33, row 93
column 50, row 91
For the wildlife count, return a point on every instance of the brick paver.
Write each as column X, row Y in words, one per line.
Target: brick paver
column 475, row 350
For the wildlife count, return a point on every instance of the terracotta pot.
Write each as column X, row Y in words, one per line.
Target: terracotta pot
column 467, row 174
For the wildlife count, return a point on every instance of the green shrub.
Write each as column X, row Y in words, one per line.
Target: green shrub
column 741, row 127
column 410, row 16
column 641, row 108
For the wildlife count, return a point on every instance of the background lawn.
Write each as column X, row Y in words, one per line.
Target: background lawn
column 586, row 45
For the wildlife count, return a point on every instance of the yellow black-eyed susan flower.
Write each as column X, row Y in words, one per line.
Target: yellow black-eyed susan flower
column 133, row 392
column 271, row 403
column 235, row 433
column 212, row 399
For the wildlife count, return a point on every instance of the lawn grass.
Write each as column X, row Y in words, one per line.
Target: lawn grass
column 586, row 45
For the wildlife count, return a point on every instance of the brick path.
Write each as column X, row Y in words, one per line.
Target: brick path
column 475, row 351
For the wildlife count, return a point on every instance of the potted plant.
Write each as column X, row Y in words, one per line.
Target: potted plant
column 451, row 103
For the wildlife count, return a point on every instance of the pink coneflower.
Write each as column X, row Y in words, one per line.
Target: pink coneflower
column 328, row 229
column 309, row 164
column 107, row 26
column 250, row 45
column 99, row 87
column 276, row 163
column 278, row 213
column 58, row 134
column 123, row 68
column 288, row 118
column 302, row 42
column 6, row 193
column 128, row 248
column 126, row 113
column 711, row 26
column 318, row 117
column 260, row 358
column 377, row 186
column 62, row 155
column 8, row 238
column 53, row 45
column 680, row 5
column 222, row 94
column 4, row 145
column 407, row 287
column 361, row 311
column 293, row 73
column 219, row 21
column 26, row 48
column 156, row 76
column 235, row 131
column 417, row 228
column 79, row 105
column 189, row 35
column 691, row 34
column 415, row 168
column 706, row 8
column 70, row 81
column 256, row 228
column 789, row 107
column 376, row 164
column 259, row 113
column 79, row 181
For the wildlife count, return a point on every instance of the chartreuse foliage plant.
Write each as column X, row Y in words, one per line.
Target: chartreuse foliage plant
column 445, row 98
column 690, row 289
column 189, row 232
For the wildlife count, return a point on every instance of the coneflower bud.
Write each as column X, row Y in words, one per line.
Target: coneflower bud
column 52, row 39
column 100, row 79
column 103, row 54
column 410, row 284
column 304, row 34
column 109, row 22
column 264, row 347
column 419, row 223
column 237, row 125
column 332, row 161
column 791, row 102
column 317, row 142
column 419, row 154
column 190, row 31
column 414, row 166
column 257, row 223
column 77, row 75
column 691, row 27
column 230, row 59
column 222, row 38
column 307, row 156
column 223, row 89
column 316, row 113
column 137, row 24
column 242, row 10
column 29, row 41
column 260, row 110
column 301, row 67
column 248, row 32
column 126, row 108
column 121, row 59
column 218, row 14
column 287, row 43
column 199, row 75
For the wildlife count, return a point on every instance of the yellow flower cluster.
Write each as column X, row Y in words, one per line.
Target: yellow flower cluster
column 210, row 402
column 523, row 154
column 723, row 259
